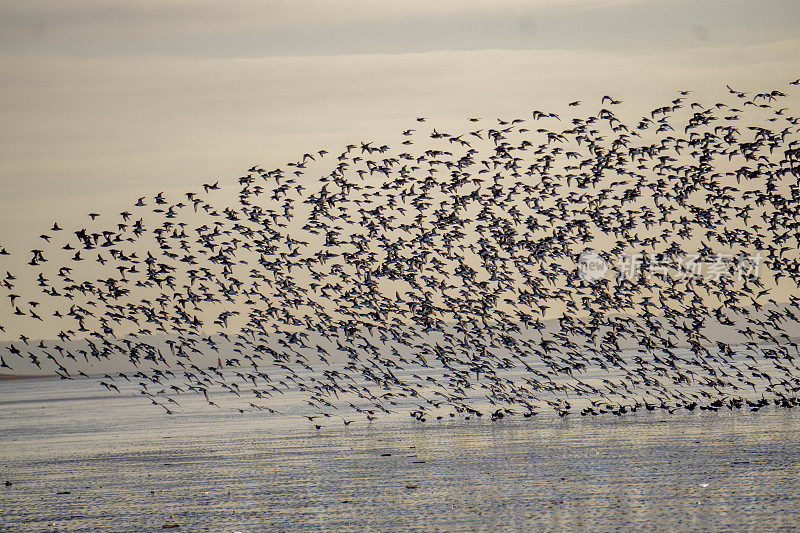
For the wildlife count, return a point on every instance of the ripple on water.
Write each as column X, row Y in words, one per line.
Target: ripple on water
column 126, row 470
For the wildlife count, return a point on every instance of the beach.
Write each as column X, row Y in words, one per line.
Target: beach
column 81, row 460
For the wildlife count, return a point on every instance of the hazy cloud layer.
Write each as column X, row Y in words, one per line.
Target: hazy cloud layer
column 258, row 29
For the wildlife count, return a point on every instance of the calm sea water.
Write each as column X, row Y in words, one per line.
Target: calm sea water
column 121, row 464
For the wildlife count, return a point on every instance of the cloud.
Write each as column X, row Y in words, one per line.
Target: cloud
column 305, row 27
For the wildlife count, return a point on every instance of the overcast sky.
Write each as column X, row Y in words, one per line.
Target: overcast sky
column 102, row 102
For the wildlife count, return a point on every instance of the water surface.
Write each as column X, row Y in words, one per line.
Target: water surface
column 127, row 466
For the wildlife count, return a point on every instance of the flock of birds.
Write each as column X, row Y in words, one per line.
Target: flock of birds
column 441, row 277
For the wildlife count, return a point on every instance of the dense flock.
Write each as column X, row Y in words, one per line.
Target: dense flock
column 577, row 261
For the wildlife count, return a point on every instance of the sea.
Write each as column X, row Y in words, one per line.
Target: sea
column 76, row 457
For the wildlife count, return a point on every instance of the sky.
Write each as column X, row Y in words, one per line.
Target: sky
column 103, row 102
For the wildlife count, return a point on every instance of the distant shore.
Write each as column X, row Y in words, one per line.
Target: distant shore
column 4, row 377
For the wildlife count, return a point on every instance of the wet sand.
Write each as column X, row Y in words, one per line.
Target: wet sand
column 120, row 465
